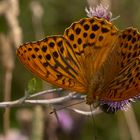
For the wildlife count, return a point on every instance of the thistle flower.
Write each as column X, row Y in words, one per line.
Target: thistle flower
column 111, row 106
column 114, row 106
column 100, row 11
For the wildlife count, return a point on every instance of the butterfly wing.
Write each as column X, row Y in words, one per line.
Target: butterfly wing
column 127, row 83
column 92, row 39
column 129, row 45
column 51, row 60
column 69, row 61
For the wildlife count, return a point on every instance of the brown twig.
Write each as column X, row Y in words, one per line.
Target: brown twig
column 7, row 54
column 37, row 14
column 12, row 19
column 27, row 101
column 9, row 9
column 41, row 93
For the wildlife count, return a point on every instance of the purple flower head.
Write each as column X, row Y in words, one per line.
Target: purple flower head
column 100, row 11
column 113, row 106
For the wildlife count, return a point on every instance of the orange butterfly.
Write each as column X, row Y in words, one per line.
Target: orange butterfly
column 92, row 57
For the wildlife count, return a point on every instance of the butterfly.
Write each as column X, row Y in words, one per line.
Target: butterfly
column 92, row 57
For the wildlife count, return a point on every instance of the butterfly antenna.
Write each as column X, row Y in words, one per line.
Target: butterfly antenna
column 55, row 110
column 94, row 124
column 56, row 115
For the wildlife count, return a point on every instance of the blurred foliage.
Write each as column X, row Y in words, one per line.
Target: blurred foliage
column 34, row 85
column 58, row 15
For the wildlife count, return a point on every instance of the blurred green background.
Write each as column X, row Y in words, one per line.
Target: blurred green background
column 56, row 16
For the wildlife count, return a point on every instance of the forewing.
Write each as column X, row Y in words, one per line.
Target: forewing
column 51, row 60
column 92, row 39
